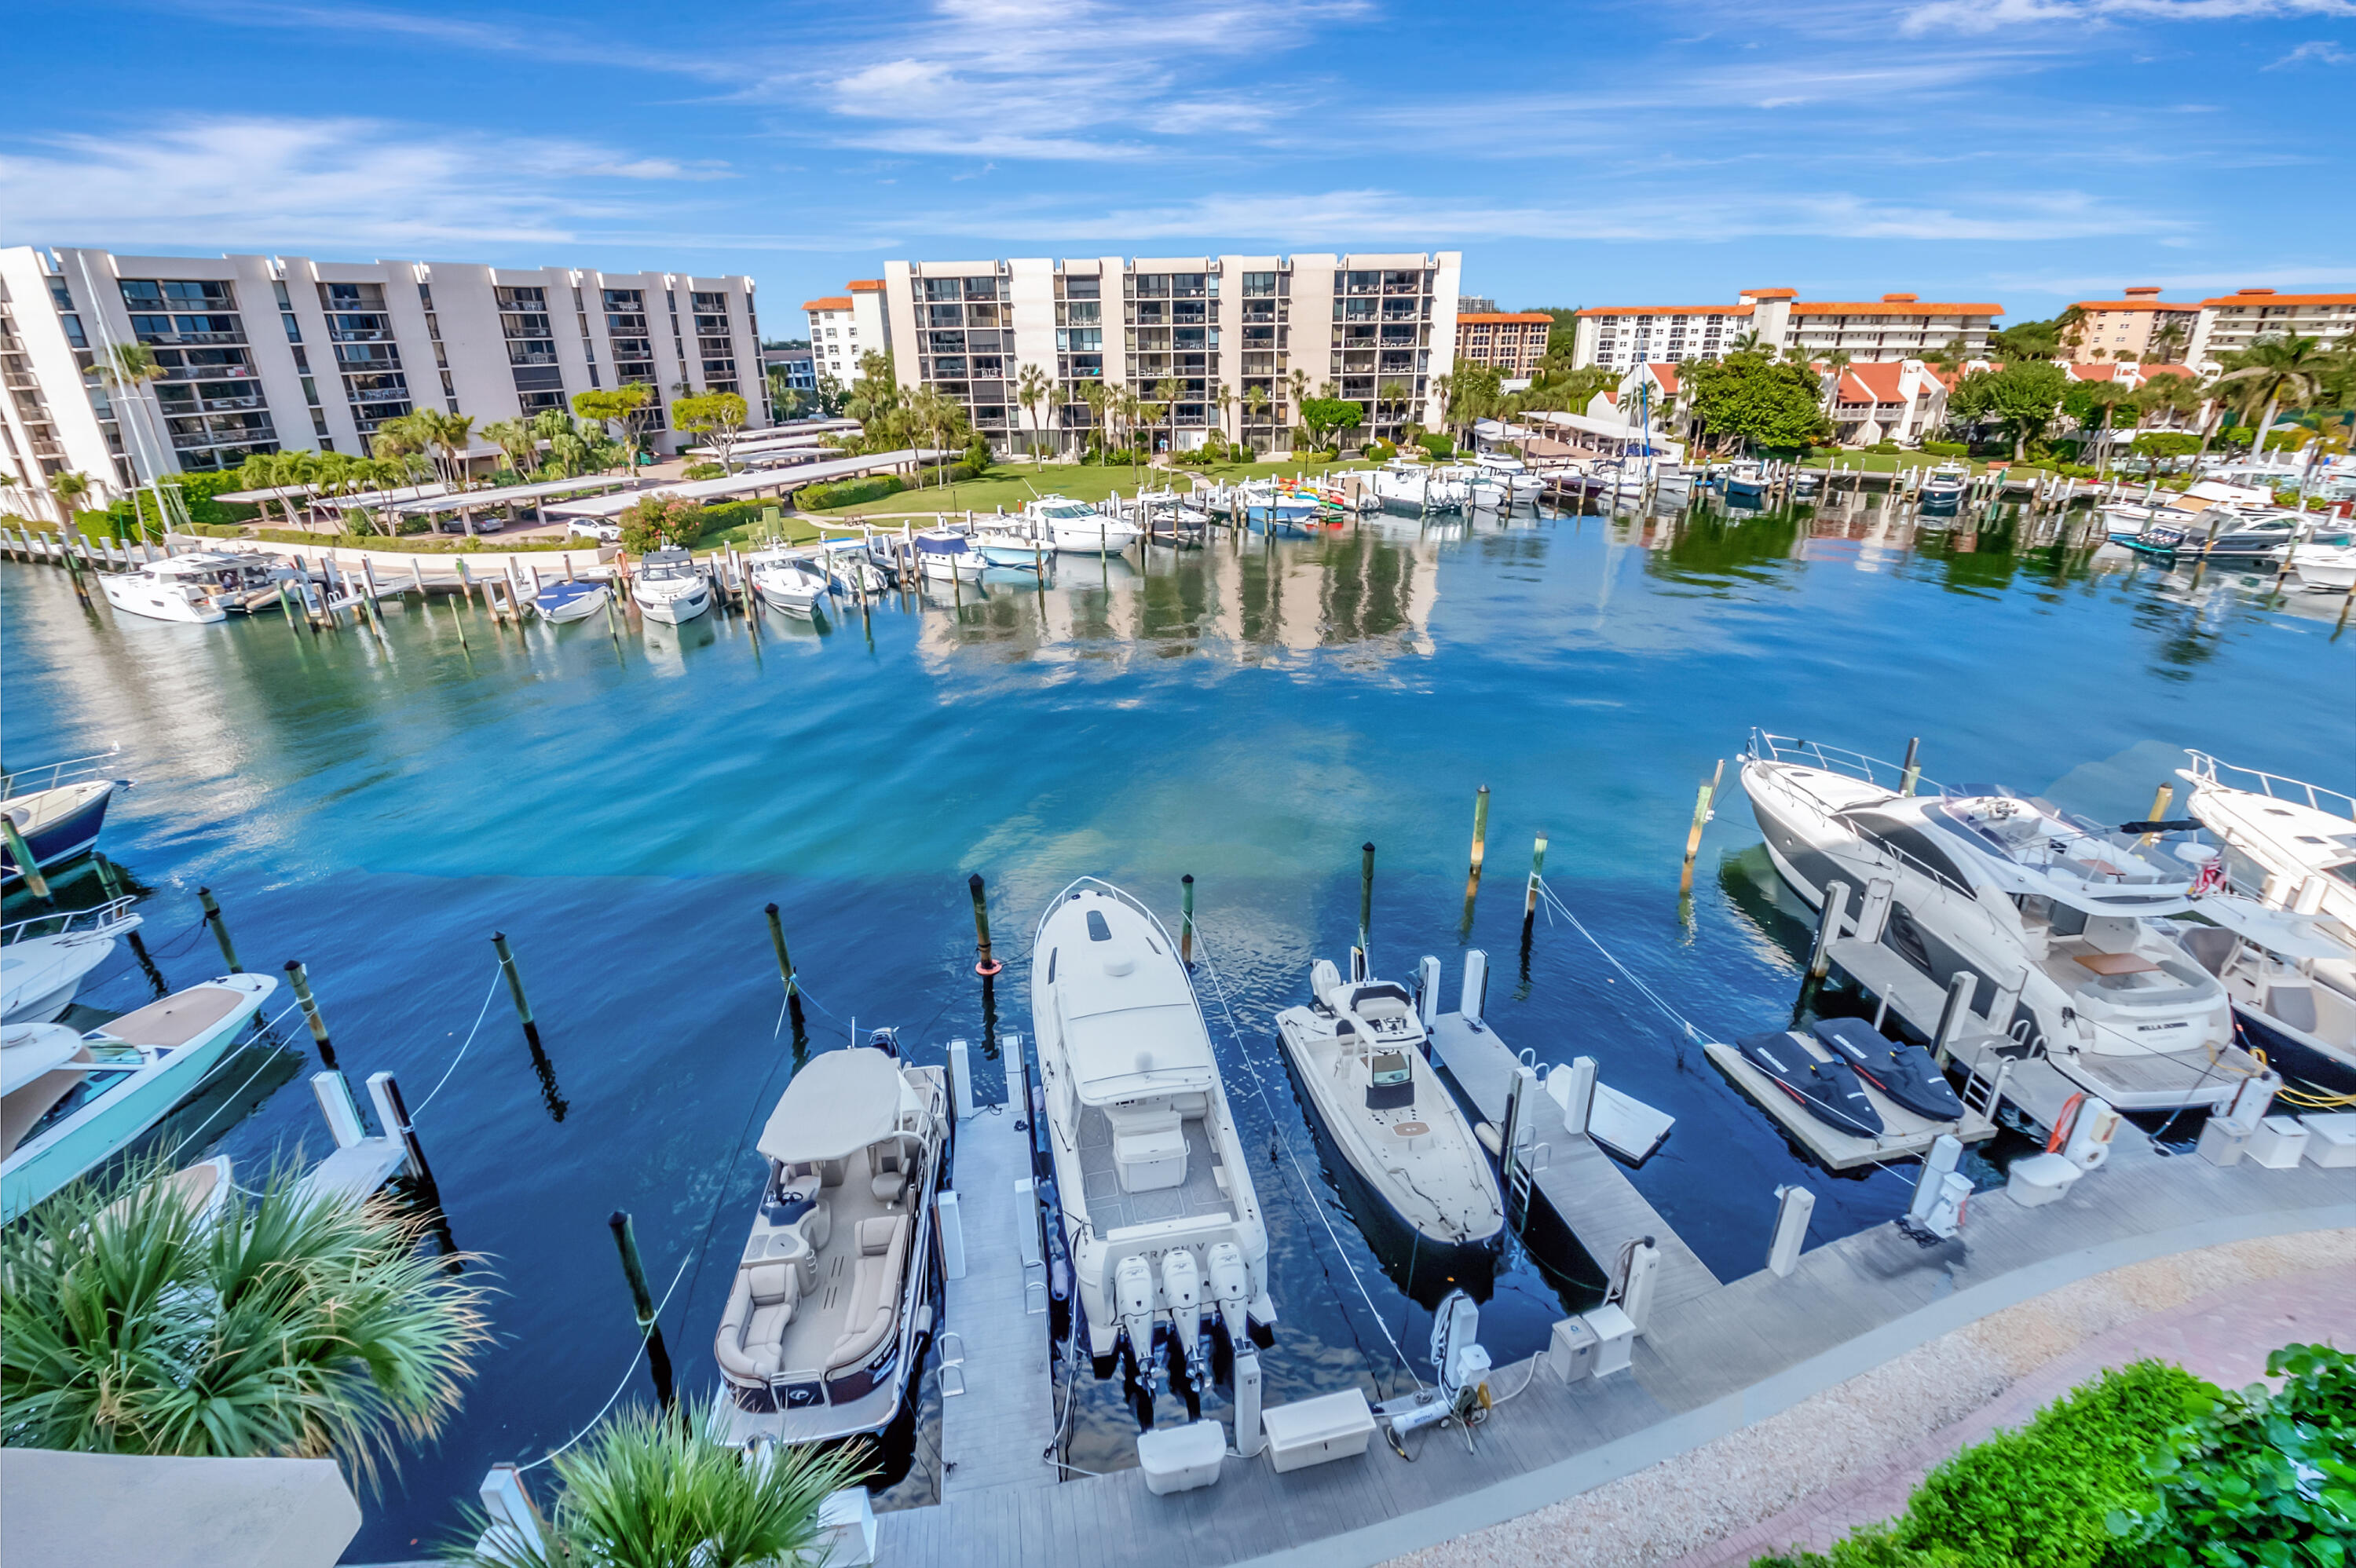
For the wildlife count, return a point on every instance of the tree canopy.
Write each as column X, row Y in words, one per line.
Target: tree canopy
column 1322, row 416
column 2024, row 397
column 718, row 416
column 1759, row 401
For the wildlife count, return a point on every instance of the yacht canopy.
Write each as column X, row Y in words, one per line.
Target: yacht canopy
column 1131, row 1025
column 2275, row 929
column 836, row 1104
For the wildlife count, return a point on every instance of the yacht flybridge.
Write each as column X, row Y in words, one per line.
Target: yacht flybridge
column 1169, row 1247
column 2051, row 913
column 836, row 1284
column 1361, row 1052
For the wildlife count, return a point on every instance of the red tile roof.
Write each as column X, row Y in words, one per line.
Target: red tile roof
column 2093, row 372
column 1666, row 374
column 1889, row 307
column 1875, row 381
column 2148, row 371
column 866, row 285
column 832, row 301
column 1494, row 317
column 1667, row 310
column 1771, row 294
column 2268, row 298
column 2187, row 306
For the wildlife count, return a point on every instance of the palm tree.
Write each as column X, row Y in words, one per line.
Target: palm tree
column 1256, row 407
column 2279, row 370
column 289, row 1325
column 1835, row 363
column 1224, row 401
column 1030, row 389
column 68, row 488
column 1166, row 392
column 128, row 367
column 2069, row 328
column 1298, row 381
column 1443, row 386
column 1098, row 397
column 660, row 1491
column 1746, row 343
column 2167, row 345
column 514, row 438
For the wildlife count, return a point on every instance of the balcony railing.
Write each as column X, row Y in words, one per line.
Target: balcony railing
column 170, row 339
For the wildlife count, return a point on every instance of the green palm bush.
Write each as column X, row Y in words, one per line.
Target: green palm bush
column 283, row 1327
column 650, row 1490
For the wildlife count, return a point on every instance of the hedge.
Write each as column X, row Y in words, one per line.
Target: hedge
column 1946, row 448
column 847, row 492
column 425, row 546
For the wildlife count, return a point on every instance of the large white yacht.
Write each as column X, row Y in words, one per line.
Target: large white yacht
column 201, row 587
column 1167, row 1239
column 836, row 1284
column 668, row 587
column 2050, row 911
column 1075, row 527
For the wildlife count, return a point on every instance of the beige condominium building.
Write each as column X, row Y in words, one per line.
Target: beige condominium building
column 1895, row 326
column 1242, row 338
column 2123, row 331
column 1511, row 342
column 2230, row 323
column 267, row 352
column 845, row 325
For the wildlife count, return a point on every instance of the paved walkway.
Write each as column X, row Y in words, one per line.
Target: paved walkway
column 2216, row 1311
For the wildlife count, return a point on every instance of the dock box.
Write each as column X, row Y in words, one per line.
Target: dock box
column 2223, row 1140
column 2279, row 1143
column 2038, row 1179
column 1615, row 1339
column 1180, row 1458
column 1312, row 1431
column 2331, row 1138
column 1570, row 1354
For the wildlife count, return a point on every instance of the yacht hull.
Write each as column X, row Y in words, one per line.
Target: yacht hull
column 58, row 828
column 2294, row 1053
column 674, row 610
column 139, row 595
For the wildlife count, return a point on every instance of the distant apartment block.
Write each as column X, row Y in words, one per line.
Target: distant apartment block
column 1511, row 343
column 796, row 369
column 845, row 325
column 267, row 352
column 1895, row 326
column 2123, row 331
column 2230, row 323
column 1474, row 305
column 1237, row 336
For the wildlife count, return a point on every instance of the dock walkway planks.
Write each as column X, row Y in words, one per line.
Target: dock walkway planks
column 1579, row 1182
column 1708, row 1364
column 994, row 1434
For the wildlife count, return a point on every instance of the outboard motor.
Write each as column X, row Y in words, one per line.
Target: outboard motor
column 1182, row 1288
column 1231, row 1288
column 1132, row 1294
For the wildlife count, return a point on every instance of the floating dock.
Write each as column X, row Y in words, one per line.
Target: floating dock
column 1905, row 1135
column 997, row 1385
column 1585, row 1188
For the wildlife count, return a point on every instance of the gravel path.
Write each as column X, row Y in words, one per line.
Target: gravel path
column 1851, row 1453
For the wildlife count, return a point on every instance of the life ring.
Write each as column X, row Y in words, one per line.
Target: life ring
column 2064, row 1123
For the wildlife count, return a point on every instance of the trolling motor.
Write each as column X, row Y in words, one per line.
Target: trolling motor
column 1462, row 1366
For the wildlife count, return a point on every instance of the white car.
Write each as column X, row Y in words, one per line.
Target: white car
column 597, row 528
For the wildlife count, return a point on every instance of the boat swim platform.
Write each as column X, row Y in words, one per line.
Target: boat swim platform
column 1582, row 1184
column 998, row 1413
column 1708, row 1364
column 1905, row 1135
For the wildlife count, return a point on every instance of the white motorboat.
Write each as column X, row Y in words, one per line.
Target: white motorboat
column 851, row 563
column 836, row 1289
column 1278, row 505
column 2288, row 976
column 42, row 969
column 571, row 600
column 788, row 580
column 1167, row 1240
column 1165, row 513
column 2326, row 563
column 1075, row 527
column 1521, row 482
column 2051, row 913
column 202, row 587
column 58, row 810
column 70, row 1100
column 668, row 586
column 1010, row 542
column 1945, row 485
column 2287, row 844
column 945, row 554
column 1420, row 485
column 1360, row 1052
column 1481, row 488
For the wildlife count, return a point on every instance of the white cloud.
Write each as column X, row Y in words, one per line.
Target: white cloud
column 2321, row 51
column 1983, row 16
column 346, row 183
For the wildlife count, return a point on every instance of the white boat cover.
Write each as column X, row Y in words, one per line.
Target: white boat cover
column 2275, row 929
column 839, row 1103
column 28, row 1051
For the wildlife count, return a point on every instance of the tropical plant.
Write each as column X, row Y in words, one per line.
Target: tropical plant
column 515, row 439
column 1256, row 403
column 1031, row 388
column 1166, row 393
column 657, row 520
column 1748, row 343
column 652, row 1490
column 718, row 416
column 289, row 1325
column 2023, row 397
column 2168, row 345
column 2278, row 371
column 623, row 408
column 2256, row 1477
column 2028, row 340
column 1322, row 417
column 67, row 489
column 1475, row 392
column 2092, row 404
column 1758, row 401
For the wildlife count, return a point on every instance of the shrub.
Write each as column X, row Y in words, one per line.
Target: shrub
column 2258, row 1478
column 1381, row 450
column 847, row 492
column 658, row 521
column 1945, row 448
column 703, row 470
column 1440, row 447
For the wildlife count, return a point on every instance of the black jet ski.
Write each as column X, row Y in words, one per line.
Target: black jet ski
column 1904, row 1072
column 1829, row 1090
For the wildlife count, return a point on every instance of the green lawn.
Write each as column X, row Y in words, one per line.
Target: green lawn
column 1010, row 484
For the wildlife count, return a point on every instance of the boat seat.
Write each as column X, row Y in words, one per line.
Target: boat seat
column 2293, row 1005
column 753, row 1330
column 829, row 1172
column 875, row 1293
column 2211, row 946
column 888, row 1164
column 816, row 1226
column 1148, row 1148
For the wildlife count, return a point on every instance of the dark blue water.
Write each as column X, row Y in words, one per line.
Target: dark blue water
column 1249, row 717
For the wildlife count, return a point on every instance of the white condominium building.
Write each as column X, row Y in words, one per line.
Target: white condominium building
column 845, row 325
column 2233, row 322
column 1895, row 326
column 1241, row 337
column 271, row 353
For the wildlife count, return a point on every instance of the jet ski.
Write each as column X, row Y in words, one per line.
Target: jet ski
column 1904, row 1072
column 1828, row 1090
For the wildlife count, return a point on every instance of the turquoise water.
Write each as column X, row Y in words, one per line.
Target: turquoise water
column 1247, row 716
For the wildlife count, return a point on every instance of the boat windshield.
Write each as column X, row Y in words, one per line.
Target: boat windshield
column 92, row 1085
column 1065, row 509
column 2032, row 834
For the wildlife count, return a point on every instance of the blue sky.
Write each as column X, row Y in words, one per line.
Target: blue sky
column 2030, row 152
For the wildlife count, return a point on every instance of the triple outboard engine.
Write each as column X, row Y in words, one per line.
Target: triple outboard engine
column 1190, row 1345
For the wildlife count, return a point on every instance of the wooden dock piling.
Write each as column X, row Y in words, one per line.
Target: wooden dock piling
column 1366, row 893
column 27, row 865
column 1187, row 920
column 300, row 978
column 1700, row 820
column 515, row 984
column 212, row 909
column 642, row 1302
column 1480, row 850
column 1913, row 771
column 1530, row 893
column 784, row 966
column 985, row 965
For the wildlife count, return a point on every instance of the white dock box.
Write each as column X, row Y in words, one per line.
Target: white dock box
column 846, row 1523
column 2279, row 1143
column 2331, row 1138
column 1615, row 1339
column 2223, row 1140
column 1570, row 1354
column 2038, row 1179
column 1180, row 1458
column 1312, row 1431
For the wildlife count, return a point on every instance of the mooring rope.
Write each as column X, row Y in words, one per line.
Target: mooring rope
column 480, row 1013
column 1260, row 1085
column 627, row 1374
column 1556, row 906
column 267, row 1063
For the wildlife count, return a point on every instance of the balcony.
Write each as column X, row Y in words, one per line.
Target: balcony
column 360, row 334
column 172, row 339
column 519, row 356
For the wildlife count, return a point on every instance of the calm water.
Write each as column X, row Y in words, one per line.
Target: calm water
column 1249, row 717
